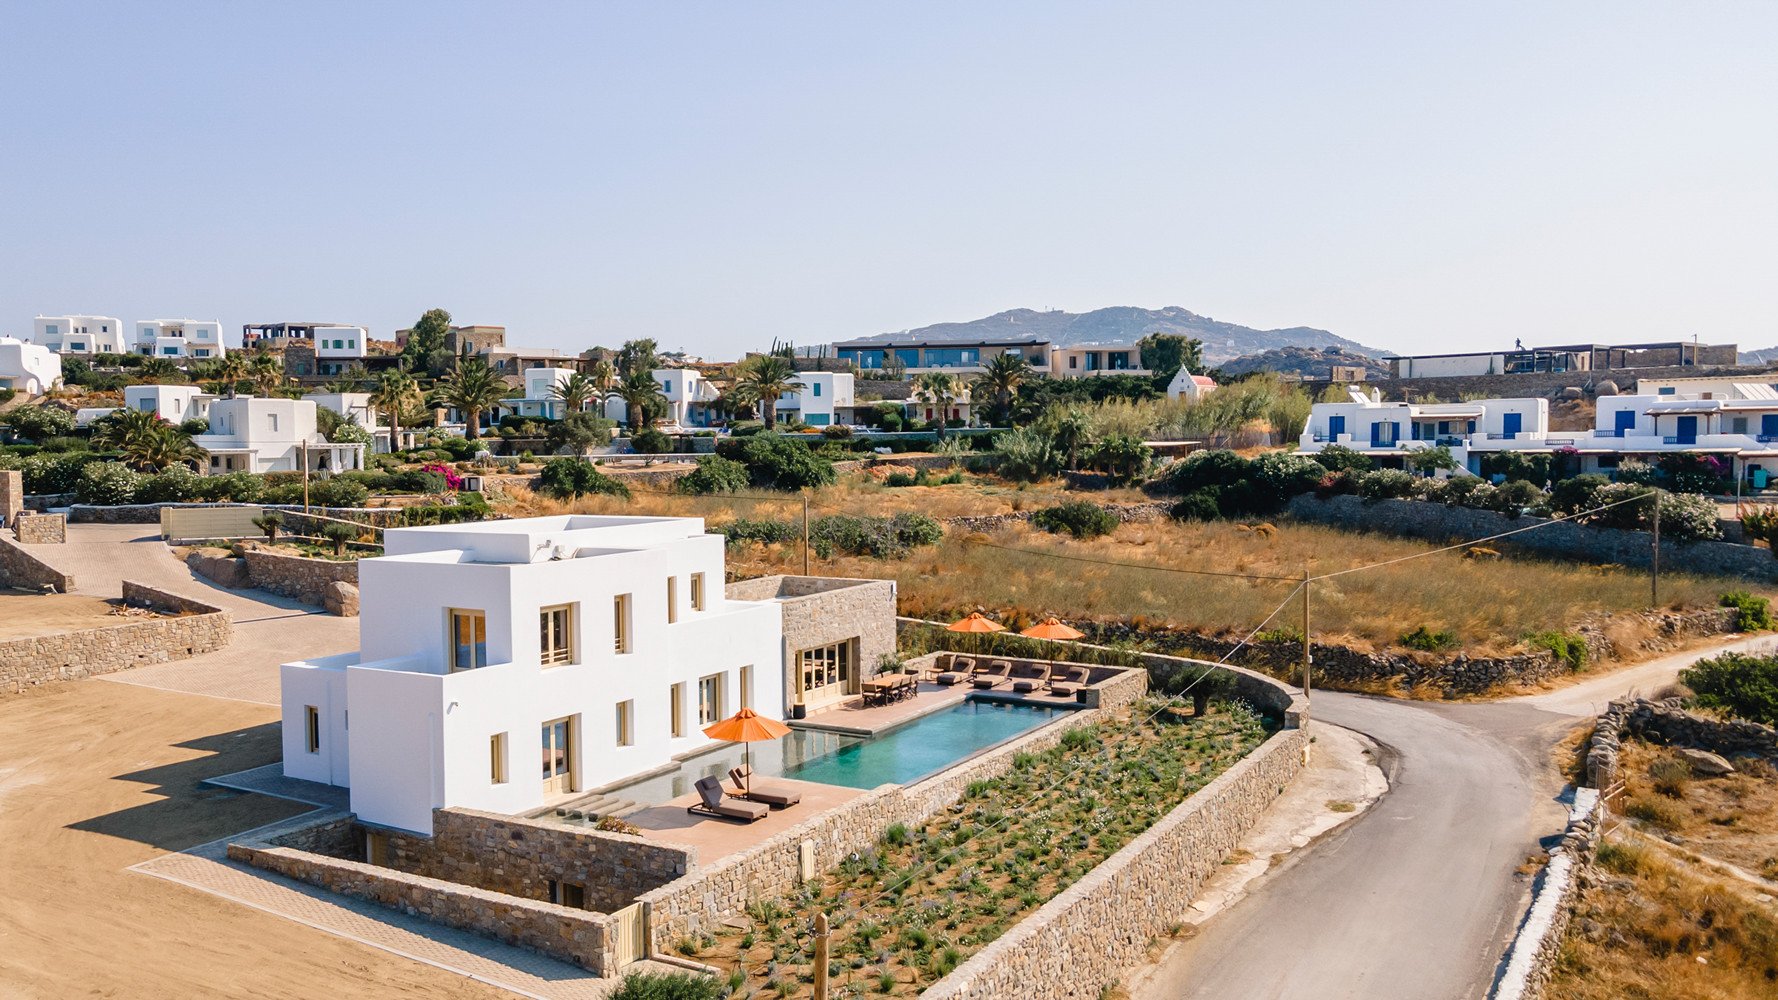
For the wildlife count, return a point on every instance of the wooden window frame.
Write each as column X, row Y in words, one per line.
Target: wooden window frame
column 451, row 617
column 697, row 591
column 497, row 770
column 676, row 709
column 622, row 641
column 312, row 728
column 672, row 599
column 626, row 722
column 567, row 652
column 715, row 701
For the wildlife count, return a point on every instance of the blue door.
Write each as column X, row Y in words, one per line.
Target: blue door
column 1624, row 421
column 1688, row 430
column 1383, row 434
column 1335, row 427
column 1512, row 423
column 1768, row 426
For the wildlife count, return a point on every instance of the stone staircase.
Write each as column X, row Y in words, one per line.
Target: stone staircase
column 599, row 807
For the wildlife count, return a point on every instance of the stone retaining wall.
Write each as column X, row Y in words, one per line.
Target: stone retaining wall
column 1124, row 512
column 1667, row 722
column 1077, row 944
column 1538, row 945
column 817, row 611
column 297, row 576
column 1435, row 521
column 37, row 660
column 1548, row 384
column 40, row 529
column 150, row 513
column 19, row 568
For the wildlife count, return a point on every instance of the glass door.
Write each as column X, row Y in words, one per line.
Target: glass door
column 558, row 775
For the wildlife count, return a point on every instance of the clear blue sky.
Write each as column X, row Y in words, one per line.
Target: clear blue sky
column 1416, row 176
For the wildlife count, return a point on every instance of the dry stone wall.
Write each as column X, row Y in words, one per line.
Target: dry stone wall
column 36, row 660
column 1124, row 512
column 20, row 568
column 40, row 529
column 296, row 576
column 1537, row 947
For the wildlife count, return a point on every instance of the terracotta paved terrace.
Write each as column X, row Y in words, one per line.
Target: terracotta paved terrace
column 716, row 839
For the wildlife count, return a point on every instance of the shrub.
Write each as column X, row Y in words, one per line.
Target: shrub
column 1339, row 458
column 1568, row 647
column 1654, row 812
column 1388, row 484
column 175, row 484
column 1636, row 473
column 269, row 522
column 763, row 530
column 568, row 478
column 238, row 487
column 469, row 507
column 64, row 444
column 1027, row 455
column 882, row 538
column 1691, row 473
column 46, row 473
column 1761, row 524
column 415, row 481
column 1122, row 457
column 1741, row 684
column 1460, row 491
column 1077, row 517
column 338, row 534
column 1219, row 468
column 669, row 986
column 1423, row 638
column 900, row 479
column 836, row 432
column 1279, row 476
column 1670, row 776
column 1200, row 505
column 1577, row 494
column 193, row 426
column 1515, row 497
column 337, row 492
column 107, row 484
column 1516, row 465
column 1752, row 613
column 776, row 461
column 578, row 432
column 650, row 441
column 40, row 422
column 714, row 474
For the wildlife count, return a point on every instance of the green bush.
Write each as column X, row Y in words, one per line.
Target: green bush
column 65, row 444
column 46, row 473
column 1692, row 473
column 1199, row 505
column 1752, row 613
column 1027, row 455
column 1122, row 457
column 1277, row 477
column 236, row 487
column 1339, row 458
column 1517, row 465
column 1576, row 494
column 777, row 462
column 899, row 479
column 1388, row 484
column 763, row 530
column 469, row 507
column 1569, row 647
column 175, row 484
column 879, row 537
column 1077, row 517
column 578, row 432
column 714, row 474
column 1741, row 684
column 1218, row 468
column 1423, row 638
column 836, row 432
column 669, row 986
column 649, row 441
column 337, row 492
column 107, row 484
column 1515, row 497
column 413, row 481
column 40, row 422
column 568, row 478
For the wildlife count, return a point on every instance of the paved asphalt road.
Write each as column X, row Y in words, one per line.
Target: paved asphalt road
column 1418, row 898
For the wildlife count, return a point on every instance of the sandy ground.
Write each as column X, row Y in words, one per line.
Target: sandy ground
column 95, row 777
column 52, row 614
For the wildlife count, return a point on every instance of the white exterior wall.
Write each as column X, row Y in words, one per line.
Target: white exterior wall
column 1534, row 417
column 172, row 403
column 423, row 734
column 254, row 434
column 79, row 334
column 821, row 397
column 179, row 338
column 31, row 369
column 352, row 340
column 1700, row 388
column 688, row 392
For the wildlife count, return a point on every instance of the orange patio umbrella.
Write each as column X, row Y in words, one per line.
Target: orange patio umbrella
column 976, row 622
column 1052, row 628
column 744, row 727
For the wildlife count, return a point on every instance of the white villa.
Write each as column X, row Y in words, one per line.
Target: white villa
column 172, row 403
column 356, row 407
column 179, row 338
column 79, row 334
column 603, row 643
column 822, row 399
column 254, row 434
column 1191, row 387
column 539, row 399
column 922, row 406
column 28, row 369
column 690, row 396
column 1081, row 360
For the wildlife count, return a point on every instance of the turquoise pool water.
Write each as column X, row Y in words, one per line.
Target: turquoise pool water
column 923, row 746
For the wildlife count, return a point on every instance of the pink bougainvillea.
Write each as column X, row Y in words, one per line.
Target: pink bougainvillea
column 452, row 480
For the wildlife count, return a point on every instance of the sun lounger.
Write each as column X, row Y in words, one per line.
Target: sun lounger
column 961, row 668
column 754, row 790
column 714, row 803
column 985, row 678
column 1028, row 677
column 1067, row 682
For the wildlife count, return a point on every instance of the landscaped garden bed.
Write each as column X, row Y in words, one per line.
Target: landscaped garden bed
column 911, row 909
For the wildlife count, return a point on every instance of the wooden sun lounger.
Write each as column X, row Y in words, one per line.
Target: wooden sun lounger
column 1067, row 683
column 715, row 803
column 754, row 790
column 1028, row 677
column 985, row 678
column 960, row 669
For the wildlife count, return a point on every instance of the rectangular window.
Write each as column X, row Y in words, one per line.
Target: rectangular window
column 312, row 728
column 567, row 894
column 469, row 640
column 672, row 599
column 676, row 706
column 626, row 734
column 747, row 687
column 497, row 759
column 817, row 388
column 620, row 612
column 697, row 591
column 555, row 638
column 709, row 699
column 1074, row 361
column 272, row 418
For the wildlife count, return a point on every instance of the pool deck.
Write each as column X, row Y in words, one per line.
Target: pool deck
column 716, row 839
column 852, row 718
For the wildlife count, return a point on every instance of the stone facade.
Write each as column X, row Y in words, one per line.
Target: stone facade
column 12, row 495
column 40, row 529
column 19, row 568
column 304, row 579
column 1422, row 519
column 818, row 611
column 1550, row 384
column 197, row 628
column 1077, row 944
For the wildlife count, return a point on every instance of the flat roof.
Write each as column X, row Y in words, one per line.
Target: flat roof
column 983, row 342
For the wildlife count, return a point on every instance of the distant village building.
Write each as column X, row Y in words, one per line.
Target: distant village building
column 1191, row 387
column 79, row 334
column 1562, row 358
column 179, row 338
column 31, row 369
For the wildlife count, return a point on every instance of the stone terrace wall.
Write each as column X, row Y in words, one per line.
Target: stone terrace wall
column 1423, row 519
column 1078, row 942
column 1668, row 722
column 518, row 857
column 150, row 513
column 33, row 661
column 296, row 576
column 582, row 937
column 1124, row 512
column 40, row 529
column 1533, row 384
column 19, row 568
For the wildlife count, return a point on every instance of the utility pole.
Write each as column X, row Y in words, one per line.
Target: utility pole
column 805, row 531
column 1654, row 564
column 821, row 947
column 1306, row 655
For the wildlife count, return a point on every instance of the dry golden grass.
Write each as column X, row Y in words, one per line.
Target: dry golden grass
column 1733, row 818
column 1649, row 928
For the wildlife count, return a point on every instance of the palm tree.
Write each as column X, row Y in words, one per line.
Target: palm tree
column 1070, row 430
column 604, row 378
column 231, row 368
column 762, row 380
column 266, row 373
column 472, row 387
column 148, row 443
column 940, row 388
column 575, row 392
column 642, row 394
column 395, row 391
column 159, row 371
column 1000, row 378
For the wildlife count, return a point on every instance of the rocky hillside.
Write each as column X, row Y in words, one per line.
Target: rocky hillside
column 1309, row 362
column 1222, row 341
column 1763, row 356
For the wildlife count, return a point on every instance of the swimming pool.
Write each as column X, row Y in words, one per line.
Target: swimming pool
column 923, row 746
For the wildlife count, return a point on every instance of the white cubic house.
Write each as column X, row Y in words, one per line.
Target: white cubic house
column 172, row 403
column 356, row 407
column 505, row 664
column 254, row 434
column 690, row 396
column 79, row 334
column 28, row 369
column 540, row 399
column 822, row 399
column 179, row 338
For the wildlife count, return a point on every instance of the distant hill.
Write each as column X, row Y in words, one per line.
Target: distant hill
column 1222, row 341
column 1763, row 356
column 1309, row 362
